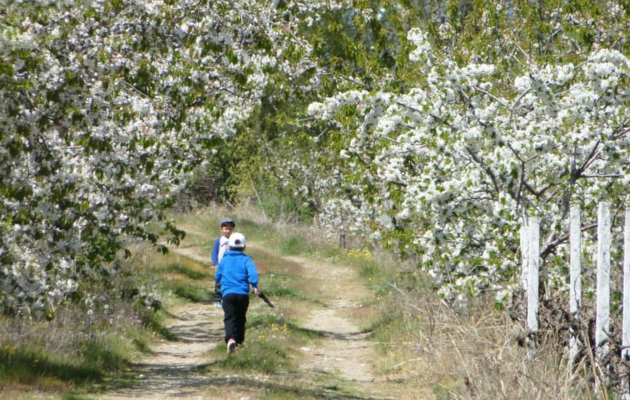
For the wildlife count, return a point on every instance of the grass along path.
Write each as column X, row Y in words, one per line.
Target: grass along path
column 311, row 346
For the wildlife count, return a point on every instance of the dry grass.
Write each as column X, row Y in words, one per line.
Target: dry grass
column 74, row 348
column 472, row 354
column 86, row 341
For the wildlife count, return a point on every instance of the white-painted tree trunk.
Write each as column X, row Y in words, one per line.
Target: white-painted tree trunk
column 524, row 254
column 602, row 324
column 625, row 334
column 575, row 291
column 532, row 276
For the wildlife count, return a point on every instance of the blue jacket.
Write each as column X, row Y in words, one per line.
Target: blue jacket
column 236, row 272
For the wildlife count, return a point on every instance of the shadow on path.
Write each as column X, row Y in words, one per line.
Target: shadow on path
column 184, row 382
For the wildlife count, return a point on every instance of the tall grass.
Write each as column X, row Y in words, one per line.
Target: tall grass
column 471, row 354
column 74, row 348
column 87, row 340
column 25, row 364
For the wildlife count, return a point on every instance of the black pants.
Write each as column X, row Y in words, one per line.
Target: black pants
column 235, row 311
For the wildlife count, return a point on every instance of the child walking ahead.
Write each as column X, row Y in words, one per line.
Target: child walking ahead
column 220, row 247
column 235, row 274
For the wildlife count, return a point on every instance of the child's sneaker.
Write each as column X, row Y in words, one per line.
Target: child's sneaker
column 231, row 345
column 217, row 304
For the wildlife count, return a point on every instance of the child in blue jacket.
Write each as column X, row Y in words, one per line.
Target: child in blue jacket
column 235, row 274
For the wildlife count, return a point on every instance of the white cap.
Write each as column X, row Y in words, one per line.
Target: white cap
column 237, row 240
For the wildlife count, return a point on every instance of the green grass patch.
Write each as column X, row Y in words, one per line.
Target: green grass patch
column 293, row 246
column 370, row 270
column 27, row 365
column 270, row 341
column 152, row 321
column 142, row 345
column 260, row 355
column 286, row 292
column 189, row 290
column 380, row 324
column 185, row 270
column 277, row 284
column 282, row 394
column 108, row 353
column 331, row 254
column 72, row 396
column 270, row 322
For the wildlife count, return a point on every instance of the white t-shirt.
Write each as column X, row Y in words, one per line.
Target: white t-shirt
column 223, row 247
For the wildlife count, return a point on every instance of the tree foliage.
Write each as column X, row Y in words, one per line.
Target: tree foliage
column 485, row 131
column 107, row 108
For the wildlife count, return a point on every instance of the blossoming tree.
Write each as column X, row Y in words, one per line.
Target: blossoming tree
column 458, row 161
column 107, row 107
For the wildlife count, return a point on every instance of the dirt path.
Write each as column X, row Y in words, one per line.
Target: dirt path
column 343, row 351
column 171, row 371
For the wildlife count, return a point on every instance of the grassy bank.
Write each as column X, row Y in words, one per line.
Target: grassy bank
column 78, row 349
column 89, row 341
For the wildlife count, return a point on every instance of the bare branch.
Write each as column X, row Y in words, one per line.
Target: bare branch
column 491, row 96
column 603, row 176
column 486, row 168
column 562, row 239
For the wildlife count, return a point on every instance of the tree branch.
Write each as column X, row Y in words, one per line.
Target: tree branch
column 486, row 168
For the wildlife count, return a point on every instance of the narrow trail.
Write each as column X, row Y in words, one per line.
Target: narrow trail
column 171, row 371
column 342, row 353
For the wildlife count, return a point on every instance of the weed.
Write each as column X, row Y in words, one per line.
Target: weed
column 26, row 365
column 186, row 270
column 151, row 321
column 108, row 353
column 188, row 290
